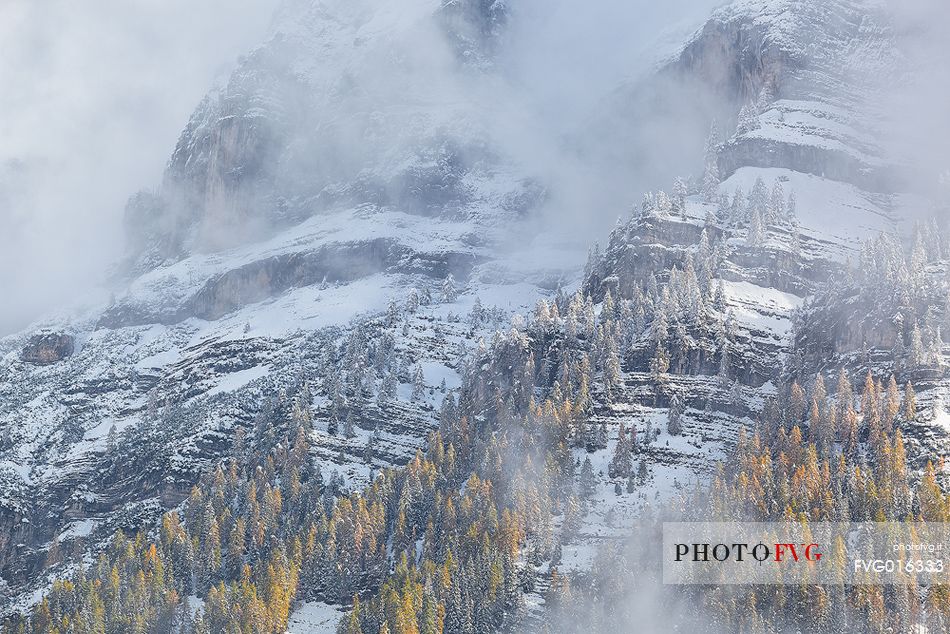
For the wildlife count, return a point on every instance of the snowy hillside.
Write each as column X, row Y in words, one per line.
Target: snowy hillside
column 336, row 174
column 345, row 247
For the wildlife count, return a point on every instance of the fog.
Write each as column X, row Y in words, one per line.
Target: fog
column 577, row 65
column 918, row 130
column 92, row 101
column 92, row 98
column 568, row 55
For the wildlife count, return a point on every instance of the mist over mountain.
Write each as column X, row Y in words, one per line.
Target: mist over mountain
column 92, row 101
column 438, row 308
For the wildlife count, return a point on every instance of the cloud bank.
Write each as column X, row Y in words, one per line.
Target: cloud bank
column 92, row 98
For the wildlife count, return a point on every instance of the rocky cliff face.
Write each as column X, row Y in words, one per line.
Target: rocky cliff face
column 47, row 348
column 337, row 172
column 337, row 108
column 812, row 70
column 312, row 209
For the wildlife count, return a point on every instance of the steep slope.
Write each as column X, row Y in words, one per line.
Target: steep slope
column 341, row 176
column 346, row 104
column 341, row 168
column 728, row 277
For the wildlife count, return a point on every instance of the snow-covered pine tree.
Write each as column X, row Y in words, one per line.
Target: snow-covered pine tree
column 478, row 313
column 710, row 185
column 418, row 384
column 674, row 423
column 759, row 198
column 710, row 188
column 622, row 460
column 756, row 235
column 723, row 209
column 349, row 430
column 738, row 208
column 413, row 301
column 449, row 290
column 664, row 206
column 392, row 313
column 791, row 208
column 916, row 353
column 910, row 403
column 601, row 438
column 588, row 482
column 766, row 97
column 679, row 196
column 748, row 119
column 660, row 364
column 775, row 208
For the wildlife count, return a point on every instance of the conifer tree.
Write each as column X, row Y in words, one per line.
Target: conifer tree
column 588, row 483
column 674, row 423
column 660, row 364
column 601, row 442
column 775, row 207
column 737, row 208
column 748, row 119
column 572, row 519
column 642, row 470
column 351, row 624
column 418, row 384
column 844, row 393
column 916, row 352
column 756, row 235
column 348, row 425
column 797, row 404
column 679, row 196
column 723, row 372
column 892, row 405
column 621, row 462
column 910, row 403
column 387, row 391
column 791, row 210
column 449, row 291
column 710, row 189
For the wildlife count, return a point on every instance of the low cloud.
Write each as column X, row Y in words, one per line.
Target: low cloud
column 92, row 98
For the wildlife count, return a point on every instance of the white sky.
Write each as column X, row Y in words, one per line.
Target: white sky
column 93, row 96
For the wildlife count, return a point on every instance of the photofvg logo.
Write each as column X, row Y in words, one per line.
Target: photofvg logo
column 723, row 553
column 761, row 552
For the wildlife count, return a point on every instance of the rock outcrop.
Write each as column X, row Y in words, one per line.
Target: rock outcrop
column 48, row 348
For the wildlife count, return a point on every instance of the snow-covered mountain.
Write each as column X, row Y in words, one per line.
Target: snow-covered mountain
column 350, row 192
column 344, row 167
